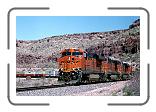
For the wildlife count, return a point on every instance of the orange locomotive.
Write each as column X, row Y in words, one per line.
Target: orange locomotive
column 79, row 66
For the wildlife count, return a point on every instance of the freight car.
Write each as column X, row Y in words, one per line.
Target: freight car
column 39, row 73
column 76, row 65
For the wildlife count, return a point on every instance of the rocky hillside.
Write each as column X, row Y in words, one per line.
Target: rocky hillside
column 123, row 44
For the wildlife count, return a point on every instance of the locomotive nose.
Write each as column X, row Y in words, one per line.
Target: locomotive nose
column 71, row 64
column 69, row 58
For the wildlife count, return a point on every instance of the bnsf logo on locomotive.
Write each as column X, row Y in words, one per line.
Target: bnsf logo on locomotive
column 79, row 66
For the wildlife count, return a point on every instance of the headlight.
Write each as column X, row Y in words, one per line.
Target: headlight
column 77, row 68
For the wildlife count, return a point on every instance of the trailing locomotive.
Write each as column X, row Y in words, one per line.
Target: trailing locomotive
column 76, row 65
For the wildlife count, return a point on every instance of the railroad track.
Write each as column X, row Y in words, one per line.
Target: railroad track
column 38, row 88
column 47, row 86
column 55, row 86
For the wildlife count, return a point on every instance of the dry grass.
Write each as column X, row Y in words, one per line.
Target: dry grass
column 34, row 82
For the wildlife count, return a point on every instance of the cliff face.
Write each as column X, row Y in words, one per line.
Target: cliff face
column 122, row 44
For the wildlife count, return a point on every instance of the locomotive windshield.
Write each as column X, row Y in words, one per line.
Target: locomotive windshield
column 66, row 54
column 77, row 53
column 73, row 54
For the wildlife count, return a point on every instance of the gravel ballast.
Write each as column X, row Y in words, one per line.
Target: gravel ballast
column 73, row 90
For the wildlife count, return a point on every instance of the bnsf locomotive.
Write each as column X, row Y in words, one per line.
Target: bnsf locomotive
column 79, row 66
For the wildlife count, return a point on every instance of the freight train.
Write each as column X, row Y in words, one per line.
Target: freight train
column 76, row 65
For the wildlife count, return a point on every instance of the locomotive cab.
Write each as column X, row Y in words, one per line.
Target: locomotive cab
column 70, row 64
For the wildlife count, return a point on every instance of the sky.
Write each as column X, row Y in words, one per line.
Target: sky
column 38, row 27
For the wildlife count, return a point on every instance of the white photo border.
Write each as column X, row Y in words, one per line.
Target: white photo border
column 11, row 88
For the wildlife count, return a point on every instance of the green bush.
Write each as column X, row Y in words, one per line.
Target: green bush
column 127, row 91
